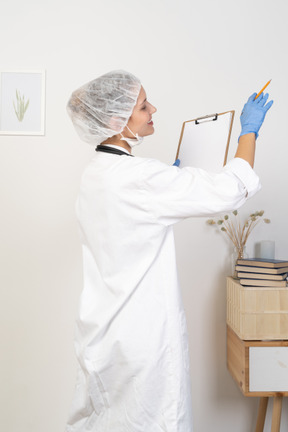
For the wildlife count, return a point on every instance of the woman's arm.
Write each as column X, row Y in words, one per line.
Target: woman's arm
column 246, row 148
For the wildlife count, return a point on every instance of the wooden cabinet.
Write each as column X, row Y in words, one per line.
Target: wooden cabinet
column 257, row 345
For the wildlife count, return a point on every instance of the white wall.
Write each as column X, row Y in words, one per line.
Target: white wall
column 194, row 58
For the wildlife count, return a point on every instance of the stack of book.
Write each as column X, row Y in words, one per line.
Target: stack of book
column 262, row 272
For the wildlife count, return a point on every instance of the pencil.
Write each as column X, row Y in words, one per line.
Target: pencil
column 261, row 91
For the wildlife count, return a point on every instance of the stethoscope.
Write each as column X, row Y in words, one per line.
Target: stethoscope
column 106, row 149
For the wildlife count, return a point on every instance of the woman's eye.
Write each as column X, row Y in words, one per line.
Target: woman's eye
column 144, row 107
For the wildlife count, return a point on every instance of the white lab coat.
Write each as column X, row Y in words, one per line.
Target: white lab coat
column 131, row 337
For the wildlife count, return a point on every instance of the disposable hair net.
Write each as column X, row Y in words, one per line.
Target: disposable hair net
column 102, row 107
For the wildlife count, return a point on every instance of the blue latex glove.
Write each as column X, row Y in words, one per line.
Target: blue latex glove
column 176, row 163
column 253, row 114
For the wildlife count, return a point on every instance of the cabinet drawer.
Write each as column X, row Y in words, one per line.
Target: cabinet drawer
column 268, row 369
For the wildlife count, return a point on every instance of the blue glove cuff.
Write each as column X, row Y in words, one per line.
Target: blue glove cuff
column 246, row 131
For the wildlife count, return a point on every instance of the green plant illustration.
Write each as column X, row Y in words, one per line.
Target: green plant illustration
column 21, row 107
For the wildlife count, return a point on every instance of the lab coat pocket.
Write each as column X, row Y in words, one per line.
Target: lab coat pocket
column 97, row 393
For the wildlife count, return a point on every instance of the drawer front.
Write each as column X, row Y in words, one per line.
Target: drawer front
column 268, row 369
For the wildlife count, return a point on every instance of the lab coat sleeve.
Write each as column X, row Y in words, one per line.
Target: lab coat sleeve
column 173, row 193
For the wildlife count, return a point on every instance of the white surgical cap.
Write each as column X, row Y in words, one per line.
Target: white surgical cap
column 102, row 107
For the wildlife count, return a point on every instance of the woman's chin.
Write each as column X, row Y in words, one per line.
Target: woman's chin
column 150, row 132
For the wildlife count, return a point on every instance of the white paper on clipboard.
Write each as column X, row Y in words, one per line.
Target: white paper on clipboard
column 204, row 142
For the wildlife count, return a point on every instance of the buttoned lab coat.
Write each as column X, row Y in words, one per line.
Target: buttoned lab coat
column 131, row 337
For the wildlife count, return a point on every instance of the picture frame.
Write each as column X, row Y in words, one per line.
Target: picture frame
column 22, row 102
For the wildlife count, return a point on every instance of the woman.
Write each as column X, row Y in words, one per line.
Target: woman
column 131, row 337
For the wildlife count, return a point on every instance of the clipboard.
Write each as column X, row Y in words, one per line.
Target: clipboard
column 204, row 141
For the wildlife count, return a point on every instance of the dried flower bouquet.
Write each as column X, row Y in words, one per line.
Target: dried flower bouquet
column 236, row 232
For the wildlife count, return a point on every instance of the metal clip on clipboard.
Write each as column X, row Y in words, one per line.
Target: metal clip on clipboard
column 211, row 117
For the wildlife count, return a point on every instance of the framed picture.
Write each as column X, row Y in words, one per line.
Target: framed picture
column 22, row 102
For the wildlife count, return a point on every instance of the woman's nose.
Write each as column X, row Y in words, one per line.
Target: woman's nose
column 153, row 109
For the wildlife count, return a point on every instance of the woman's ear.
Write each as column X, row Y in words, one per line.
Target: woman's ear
column 116, row 124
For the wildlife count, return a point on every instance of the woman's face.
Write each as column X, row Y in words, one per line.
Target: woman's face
column 140, row 121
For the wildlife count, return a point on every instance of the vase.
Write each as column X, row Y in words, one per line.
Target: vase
column 238, row 253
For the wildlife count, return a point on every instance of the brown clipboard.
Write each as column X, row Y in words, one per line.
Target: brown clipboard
column 204, row 141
